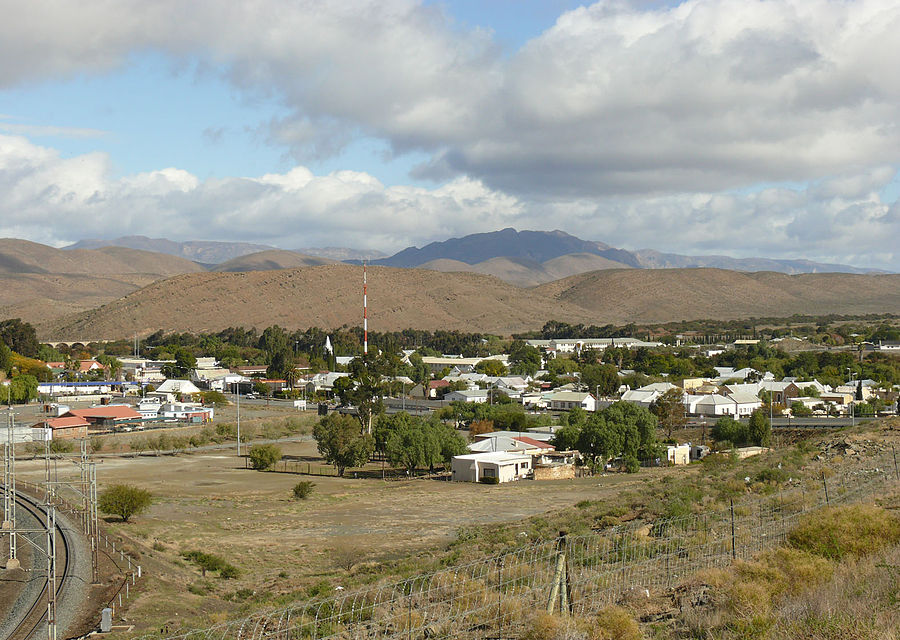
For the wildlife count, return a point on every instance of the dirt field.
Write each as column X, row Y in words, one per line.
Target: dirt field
column 208, row 501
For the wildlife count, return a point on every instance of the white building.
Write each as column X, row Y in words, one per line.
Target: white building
column 678, row 454
column 506, row 467
column 565, row 400
column 468, row 395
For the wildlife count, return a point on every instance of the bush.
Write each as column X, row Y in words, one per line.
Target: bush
column 631, row 464
column 302, row 490
column 124, row 500
column 615, row 623
column 61, row 446
column 264, row 456
column 215, row 398
column 837, row 532
column 489, row 480
column 210, row 562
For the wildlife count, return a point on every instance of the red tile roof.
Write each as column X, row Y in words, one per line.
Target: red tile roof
column 434, row 384
column 535, row 443
column 115, row 412
column 67, row 422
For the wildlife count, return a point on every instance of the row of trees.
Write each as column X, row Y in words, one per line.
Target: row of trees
column 407, row 442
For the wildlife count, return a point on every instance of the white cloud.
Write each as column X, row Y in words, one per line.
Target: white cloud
column 612, row 99
column 636, row 126
column 48, row 198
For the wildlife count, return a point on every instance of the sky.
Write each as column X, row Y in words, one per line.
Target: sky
column 767, row 128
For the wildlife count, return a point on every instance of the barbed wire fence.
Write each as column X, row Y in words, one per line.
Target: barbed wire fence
column 495, row 596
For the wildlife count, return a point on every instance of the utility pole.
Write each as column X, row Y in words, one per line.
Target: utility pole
column 9, row 494
column 239, row 418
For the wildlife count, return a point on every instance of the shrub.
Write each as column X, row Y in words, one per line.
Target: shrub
column 215, row 398
column 631, row 464
column 124, row 500
column 264, row 456
column 61, row 446
column 854, row 530
column 302, row 490
column 210, row 562
column 489, row 480
column 615, row 623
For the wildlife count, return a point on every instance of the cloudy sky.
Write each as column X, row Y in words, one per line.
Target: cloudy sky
column 767, row 128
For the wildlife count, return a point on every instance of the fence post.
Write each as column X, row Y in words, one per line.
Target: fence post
column 558, row 576
column 733, row 546
column 825, row 484
column 499, row 597
column 896, row 470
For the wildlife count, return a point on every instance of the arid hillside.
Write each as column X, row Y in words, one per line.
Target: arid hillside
column 523, row 272
column 270, row 260
column 324, row 296
column 38, row 282
column 663, row 295
column 331, row 296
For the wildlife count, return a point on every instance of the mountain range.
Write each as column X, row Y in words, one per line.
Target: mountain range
column 501, row 281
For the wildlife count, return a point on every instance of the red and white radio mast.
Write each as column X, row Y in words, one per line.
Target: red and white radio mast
column 365, row 314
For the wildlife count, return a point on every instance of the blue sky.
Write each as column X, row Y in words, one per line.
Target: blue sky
column 675, row 126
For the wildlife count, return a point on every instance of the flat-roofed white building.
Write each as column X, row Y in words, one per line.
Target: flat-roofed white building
column 506, row 467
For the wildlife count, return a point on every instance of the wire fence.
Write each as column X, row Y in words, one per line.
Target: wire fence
column 495, row 597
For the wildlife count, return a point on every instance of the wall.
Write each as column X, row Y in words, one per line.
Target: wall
column 554, row 472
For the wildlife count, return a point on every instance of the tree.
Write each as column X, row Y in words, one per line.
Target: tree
column 412, row 442
column 800, row 410
column 603, row 378
column 621, row 429
column 184, row 362
column 341, row 443
column 491, row 367
column 264, row 456
column 478, row 427
column 524, row 360
column 20, row 337
column 23, row 388
column 214, row 398
column 727, row 429
column 124, row 500
column 366, row 374
column 669, row 411
column 759, row 429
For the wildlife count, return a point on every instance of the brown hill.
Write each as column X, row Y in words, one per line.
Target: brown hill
column 663, row 295
column 324, row 296
column 523, row 272
column 271, row 260
column 22, row 256
column 330, row 296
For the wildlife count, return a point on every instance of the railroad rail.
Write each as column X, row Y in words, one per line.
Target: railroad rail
column 37, row 615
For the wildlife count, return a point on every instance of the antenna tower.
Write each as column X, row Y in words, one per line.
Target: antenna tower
column 365, row 314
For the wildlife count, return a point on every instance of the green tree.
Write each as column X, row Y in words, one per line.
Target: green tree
column 264, row 456
column 759, row 429
column 367, row 375
column 669, row 411
column 5, row 357
column 124, row 500
column 603, row 378
column 621, row 429
column 491, row 368
column 412, row 442
column 214, row 398
column 800, row 410
column 341, row 443
column 23, row 389
column 20, row 337
column 727, row 429
column 524, row 360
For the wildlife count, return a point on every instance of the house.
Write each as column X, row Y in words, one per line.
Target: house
column 188, row 411
column 566, row 400
column 678, row 454
column 173, row 389
column 781, row 392
column 510, row 442
column 744, row 403
column 714, row 405
column 86, row 366
column 149, row 408
column 432, row 389
column 108, row 416
column 324, row 381
column 469, row 395
column 66, row 427
column 642, row 398
column 661, row 387
column 480, row 467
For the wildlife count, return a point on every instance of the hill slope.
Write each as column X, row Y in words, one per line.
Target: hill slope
column 207, row 252
column 325, row 296
column 523, row 272
column 663, row 295
column 330, row 296
column 22, row 256
column 270, row 260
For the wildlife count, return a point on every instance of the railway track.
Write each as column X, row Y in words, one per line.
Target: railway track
column 34, row 620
